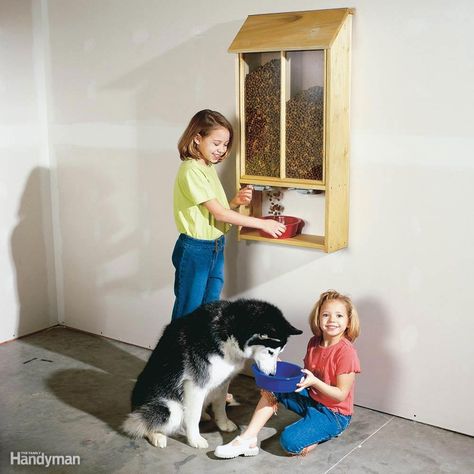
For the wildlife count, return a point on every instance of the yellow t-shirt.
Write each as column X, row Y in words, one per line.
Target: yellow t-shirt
column 197, row 183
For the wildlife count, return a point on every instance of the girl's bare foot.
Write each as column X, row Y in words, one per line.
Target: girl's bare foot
column 308, row 449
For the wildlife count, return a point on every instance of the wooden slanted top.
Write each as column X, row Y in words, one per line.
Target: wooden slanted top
column 290, row 31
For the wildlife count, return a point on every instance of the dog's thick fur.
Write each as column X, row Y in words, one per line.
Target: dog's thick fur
column 194, row 361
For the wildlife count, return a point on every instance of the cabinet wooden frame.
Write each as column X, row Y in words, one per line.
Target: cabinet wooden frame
column 332, row 35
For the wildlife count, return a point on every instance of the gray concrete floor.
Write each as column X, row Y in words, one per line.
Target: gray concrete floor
column 64, row 392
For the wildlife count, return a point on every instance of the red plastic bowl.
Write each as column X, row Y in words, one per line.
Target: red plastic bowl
column 293, row 226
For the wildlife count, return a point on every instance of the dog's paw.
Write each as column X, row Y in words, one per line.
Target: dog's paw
column 157, row 439
column 226, row 425
column 198, row 442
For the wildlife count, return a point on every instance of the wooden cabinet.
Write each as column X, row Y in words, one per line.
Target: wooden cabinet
column 293, row 76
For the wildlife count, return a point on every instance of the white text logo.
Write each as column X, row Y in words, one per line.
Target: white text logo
column 23, row 458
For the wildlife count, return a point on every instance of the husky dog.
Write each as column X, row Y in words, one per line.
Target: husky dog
column 194, row 362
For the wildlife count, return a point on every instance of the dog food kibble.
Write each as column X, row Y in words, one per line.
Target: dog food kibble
column 304, row 127
column 304, row 134
column 274, row 197
column 262, row 120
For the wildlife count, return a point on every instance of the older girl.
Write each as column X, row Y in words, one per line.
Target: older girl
column 202, row 213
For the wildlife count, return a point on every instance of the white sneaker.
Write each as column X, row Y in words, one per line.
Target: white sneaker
column 230, row 450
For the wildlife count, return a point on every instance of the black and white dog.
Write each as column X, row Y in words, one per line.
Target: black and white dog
column 194, row 362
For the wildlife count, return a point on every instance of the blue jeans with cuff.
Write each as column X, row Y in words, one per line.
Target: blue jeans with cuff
column 199, row 275
column 318, row 423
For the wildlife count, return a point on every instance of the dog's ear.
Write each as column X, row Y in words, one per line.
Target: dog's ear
column 280, row 322
column 294, row 331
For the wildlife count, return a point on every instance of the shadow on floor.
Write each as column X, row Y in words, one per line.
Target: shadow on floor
column 92, row 350
column 104, row 396
column 100, row 378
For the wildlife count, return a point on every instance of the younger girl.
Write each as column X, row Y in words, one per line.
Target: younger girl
column 203, row 214
column 324, row 399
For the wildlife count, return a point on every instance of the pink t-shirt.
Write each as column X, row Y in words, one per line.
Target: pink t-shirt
column 327, row 363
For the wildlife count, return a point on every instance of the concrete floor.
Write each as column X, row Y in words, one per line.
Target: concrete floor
column 64, row 392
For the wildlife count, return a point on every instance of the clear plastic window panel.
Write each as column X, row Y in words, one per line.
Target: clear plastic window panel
column 262, row 114
column 305, row 115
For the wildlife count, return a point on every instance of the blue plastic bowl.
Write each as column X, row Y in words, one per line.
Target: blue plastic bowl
column 284, row 381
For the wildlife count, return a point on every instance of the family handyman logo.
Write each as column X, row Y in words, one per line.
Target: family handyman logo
column 26, row 458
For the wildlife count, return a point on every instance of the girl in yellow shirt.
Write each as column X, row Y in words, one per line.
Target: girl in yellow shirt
column 202, row 213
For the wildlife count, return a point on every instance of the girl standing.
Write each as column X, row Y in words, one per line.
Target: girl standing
column 202, row 213
column 324, row 398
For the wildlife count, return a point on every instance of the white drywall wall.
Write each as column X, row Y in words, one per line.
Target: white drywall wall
column 27, row 276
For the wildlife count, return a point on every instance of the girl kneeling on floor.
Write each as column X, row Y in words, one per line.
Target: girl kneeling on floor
column 324, row 398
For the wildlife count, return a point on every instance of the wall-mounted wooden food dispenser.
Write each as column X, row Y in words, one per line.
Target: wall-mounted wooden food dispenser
column 293, row 74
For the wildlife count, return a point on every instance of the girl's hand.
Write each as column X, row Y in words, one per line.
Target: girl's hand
column 307, row 381
column 272, row 227
column 243, row 197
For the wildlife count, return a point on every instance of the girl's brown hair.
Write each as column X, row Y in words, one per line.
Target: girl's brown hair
column 202, row 123
column 353, row 326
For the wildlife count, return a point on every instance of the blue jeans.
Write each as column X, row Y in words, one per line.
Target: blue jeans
column 199, row 275
column 317, row 424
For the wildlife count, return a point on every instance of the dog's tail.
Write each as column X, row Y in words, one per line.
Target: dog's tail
column 135, row 425
column 158, row 415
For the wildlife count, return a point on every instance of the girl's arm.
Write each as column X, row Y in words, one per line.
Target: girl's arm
column 339, row 392
column 274, row 228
